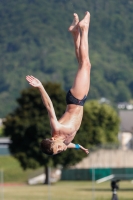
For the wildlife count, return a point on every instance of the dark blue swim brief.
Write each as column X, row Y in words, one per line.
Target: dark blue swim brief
column 70, row 99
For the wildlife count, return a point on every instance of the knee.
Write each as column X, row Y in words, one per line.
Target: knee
column 89, row 64
column 85, row 63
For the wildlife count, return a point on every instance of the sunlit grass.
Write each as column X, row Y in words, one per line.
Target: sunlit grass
column 1, row 131
column 12, row 170
column 63, row 190
column 68, row 190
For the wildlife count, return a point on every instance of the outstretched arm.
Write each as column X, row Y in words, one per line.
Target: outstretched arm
column 77, row 146
column 46, row 100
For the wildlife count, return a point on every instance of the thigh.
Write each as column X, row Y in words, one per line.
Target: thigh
column 81, row 83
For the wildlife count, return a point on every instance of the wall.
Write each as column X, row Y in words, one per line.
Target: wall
column 107, row 159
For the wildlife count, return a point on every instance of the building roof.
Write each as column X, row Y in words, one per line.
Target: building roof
column 5, row 140
column 126, row 117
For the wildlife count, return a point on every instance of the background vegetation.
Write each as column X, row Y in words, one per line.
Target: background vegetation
column 34, row 40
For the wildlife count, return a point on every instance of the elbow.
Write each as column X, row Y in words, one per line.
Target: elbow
column 56, row 128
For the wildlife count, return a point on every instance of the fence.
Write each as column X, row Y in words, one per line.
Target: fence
column 86, row 174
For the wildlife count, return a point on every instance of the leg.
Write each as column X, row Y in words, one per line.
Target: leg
column 81, row 84
column 74, row 29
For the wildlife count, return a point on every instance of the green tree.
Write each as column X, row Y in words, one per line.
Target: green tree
column 123, row 93
column 101, row 123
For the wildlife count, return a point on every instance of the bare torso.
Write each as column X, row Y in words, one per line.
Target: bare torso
column 70, row 123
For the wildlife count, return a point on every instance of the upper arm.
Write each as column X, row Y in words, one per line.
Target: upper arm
column 71, row 145
column 49, row 106
column 52, row 117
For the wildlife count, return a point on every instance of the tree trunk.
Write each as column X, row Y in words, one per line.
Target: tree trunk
column 47, row 173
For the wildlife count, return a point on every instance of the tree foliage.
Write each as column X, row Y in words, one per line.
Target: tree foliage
column 101, row 123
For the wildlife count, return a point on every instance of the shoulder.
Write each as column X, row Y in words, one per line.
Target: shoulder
column 56, row 126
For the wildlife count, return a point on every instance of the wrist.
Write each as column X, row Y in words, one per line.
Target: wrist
column 40, row 87
column 77, row 146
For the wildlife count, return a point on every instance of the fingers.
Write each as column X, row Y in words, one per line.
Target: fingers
column 33, row 77
column 33, row 81
column 30, row 78
column 87, row 151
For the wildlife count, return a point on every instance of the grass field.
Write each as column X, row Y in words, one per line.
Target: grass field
column 65, row 190
column 13, row 171
column 1, row 131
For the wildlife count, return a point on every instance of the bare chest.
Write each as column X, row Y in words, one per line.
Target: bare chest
column 72, row 117
column 71, row 121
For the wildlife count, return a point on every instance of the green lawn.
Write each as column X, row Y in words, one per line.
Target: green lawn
column 13, row 171
column 80, row 190
column 1, row 131
column 63, row 190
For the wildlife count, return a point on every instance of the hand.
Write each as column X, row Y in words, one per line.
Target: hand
column 85, row 150
column 33, row 81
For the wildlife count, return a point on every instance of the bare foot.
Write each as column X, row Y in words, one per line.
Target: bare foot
column 74, row 26
column 84, row 23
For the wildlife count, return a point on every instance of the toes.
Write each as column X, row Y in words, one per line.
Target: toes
column 76, row 17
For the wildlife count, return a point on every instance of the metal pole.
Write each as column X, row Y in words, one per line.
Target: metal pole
column 49, row 183
column 2, row 185
column 93, row 183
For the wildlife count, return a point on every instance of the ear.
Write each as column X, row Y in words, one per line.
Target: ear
column 52, row 138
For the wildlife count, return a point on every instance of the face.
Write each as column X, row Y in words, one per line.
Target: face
column 59, row 146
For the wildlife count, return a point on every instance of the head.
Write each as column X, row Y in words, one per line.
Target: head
column 52, row 146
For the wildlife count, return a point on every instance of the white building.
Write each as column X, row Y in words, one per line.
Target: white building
column 126, row 129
